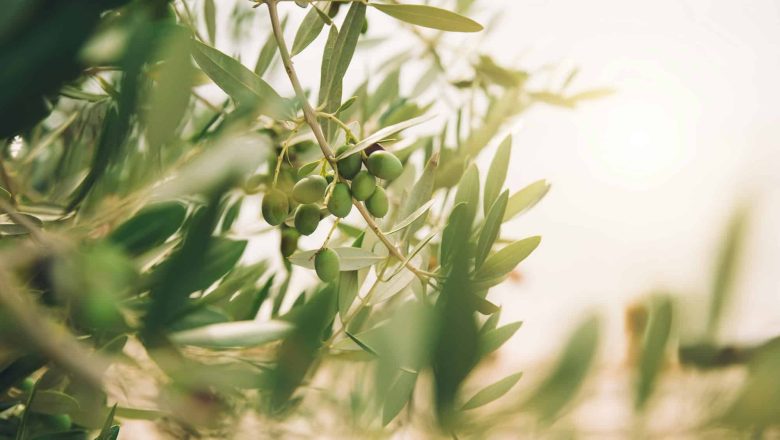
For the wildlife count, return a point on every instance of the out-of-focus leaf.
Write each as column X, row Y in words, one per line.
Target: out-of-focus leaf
column 267, row 52
column 210, row 16
column 507, row 258
column 299, row 349
column 490, row 229
column 525, row 199
column 149, row 228
column 493, row 73
column 243, row 85
column 653, row 349
column 382, row 134
column 452, row 238
column 468, row 191
column 492, row 392
column 457, row 346
column 726, row 269
column 430, row 17
column 756, row 404
column 109, row 431
column 170, row 96
column 53, row 402
column 500, row 111
column 497, row 173
column 566, row 378
column 348, row 290
column 398, row 395
column 386, row 92
column 310, row 28
column 493, row 340
column 350, row 258
column 239, row 334
column 420, row 193
column 186, row 270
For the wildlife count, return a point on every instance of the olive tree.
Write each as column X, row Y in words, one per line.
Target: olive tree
column 125, row 185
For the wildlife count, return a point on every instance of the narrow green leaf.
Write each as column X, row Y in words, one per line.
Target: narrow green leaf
column 398, row 395
column 349, row 257
column 653, row 349
column 310, row 28
column 420, row 193
column 430, row 17
column 493, row 340
column 726, row 269
column 348, row 290
column 53, row 402
column 507, row 258
column 382, row 134
column 452, row 238
column 492, row 392
column 210, row 16
column 239, row 334
column 361, row 344
column 411, row 217
column 497, row 173
column 343, row 50
column 525, row 199
column 107, row 432
column 243, row 85
column 566, row 378
column 149, row 228
column 490, row 229
column 468, row 191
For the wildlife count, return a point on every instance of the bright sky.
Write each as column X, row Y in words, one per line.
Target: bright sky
column 644, row 182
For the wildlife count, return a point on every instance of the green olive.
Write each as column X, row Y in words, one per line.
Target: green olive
column 326, row 264
column 350, row 165
column 377, row 204
column 275, row 207
column 384, row 165
column 340, row 203
column 310, row 189
column 363, row 185
column 289, row 242
column 56, row 422
column 307, row 217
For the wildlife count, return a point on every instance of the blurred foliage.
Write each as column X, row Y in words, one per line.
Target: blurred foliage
column 135, row 154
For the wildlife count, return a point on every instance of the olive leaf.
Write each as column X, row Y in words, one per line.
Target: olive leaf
column 349, row 257
column 233, row 334
column 492, row 392
column 429, row 16
column 242, row 84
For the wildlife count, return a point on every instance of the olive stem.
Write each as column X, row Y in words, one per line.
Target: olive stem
column 350, row 135
column 330, row 233
column 311, row 118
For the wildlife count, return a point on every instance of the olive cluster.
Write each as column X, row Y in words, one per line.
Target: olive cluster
column 337, row 193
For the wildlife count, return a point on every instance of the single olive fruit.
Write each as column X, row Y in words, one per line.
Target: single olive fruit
column 340, row 203
column 350, row 165
column 326, row 264
column 289, row 241
column 384, row 165
column 56, row 422
column 377, row 204
column 363, row 185
column 307, row 217
column 310, row 189
column 275, row 207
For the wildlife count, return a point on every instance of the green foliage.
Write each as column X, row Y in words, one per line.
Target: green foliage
column 145, row 150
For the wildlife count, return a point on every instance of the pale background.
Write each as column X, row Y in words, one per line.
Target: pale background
column 643, row 182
